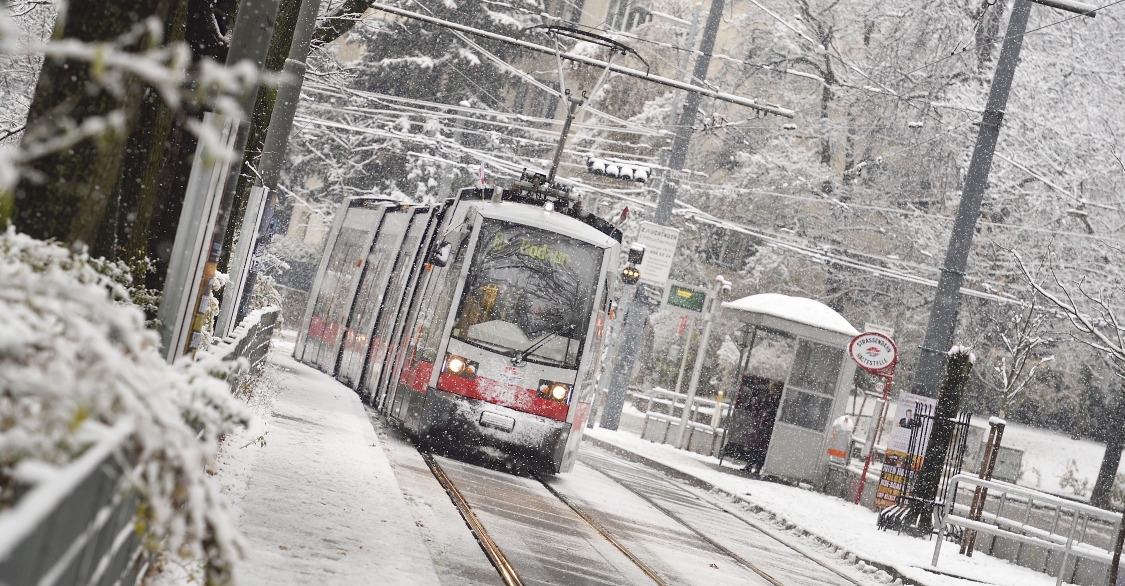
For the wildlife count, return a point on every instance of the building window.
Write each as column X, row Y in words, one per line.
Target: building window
column 615, row 17
column 572, row 10
column 637, row 16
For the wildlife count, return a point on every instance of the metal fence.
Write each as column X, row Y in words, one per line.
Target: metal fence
column 250, row 340
column 76, row 527
column 1036, row 530
column 664, row 411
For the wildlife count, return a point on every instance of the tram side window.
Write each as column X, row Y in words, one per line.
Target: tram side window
column 347, row 257
column 438, row 301
column 813, row 382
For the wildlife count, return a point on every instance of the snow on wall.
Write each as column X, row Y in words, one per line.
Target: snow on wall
column 798, row 309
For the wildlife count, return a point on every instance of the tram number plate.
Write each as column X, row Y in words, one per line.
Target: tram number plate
column 501, row 422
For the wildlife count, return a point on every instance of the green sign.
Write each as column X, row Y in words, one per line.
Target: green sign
column 686, row 298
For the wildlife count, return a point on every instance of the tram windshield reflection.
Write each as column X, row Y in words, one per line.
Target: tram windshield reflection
column 529, row 288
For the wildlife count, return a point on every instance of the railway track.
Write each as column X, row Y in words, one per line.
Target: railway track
column 637, row 527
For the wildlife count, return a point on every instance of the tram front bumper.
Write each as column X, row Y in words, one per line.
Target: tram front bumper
column 472, row 422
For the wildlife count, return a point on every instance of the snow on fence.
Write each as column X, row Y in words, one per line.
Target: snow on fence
column 664, row 413
column 75, row 525
column 250, row 340
column 1060, row 551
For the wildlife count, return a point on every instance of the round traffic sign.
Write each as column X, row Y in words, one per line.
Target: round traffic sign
column 873, row 352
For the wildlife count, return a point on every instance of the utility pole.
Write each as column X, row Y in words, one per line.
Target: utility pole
column 687, row 119
column 254, row 234
column 943, row 313
column 637, row 313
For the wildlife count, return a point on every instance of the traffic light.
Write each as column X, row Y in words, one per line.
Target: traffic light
column 636, row 253
column 630, row 275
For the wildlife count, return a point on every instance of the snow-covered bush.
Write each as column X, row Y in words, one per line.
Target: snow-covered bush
column 75, row 358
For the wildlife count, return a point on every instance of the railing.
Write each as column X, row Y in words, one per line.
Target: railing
column 250, row 340
column 75, row 526
column 1066, row 535
column 664, row 411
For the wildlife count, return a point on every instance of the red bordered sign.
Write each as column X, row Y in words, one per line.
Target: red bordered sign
column 873, row 352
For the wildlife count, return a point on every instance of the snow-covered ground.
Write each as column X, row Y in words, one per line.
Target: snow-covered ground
column 835, row 521
column 316, row 498
column 1046, row 455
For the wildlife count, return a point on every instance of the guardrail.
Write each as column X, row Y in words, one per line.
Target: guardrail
column 75, row 526
column 1067, row 543
column 664, row 411
column 250, row 340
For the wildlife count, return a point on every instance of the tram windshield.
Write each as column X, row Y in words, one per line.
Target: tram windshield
column 529, row 294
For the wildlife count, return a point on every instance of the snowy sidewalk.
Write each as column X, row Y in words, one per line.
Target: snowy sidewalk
column 817, row 517
column 322, row 505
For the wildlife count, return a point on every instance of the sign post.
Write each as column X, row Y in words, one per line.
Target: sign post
column 876, row 354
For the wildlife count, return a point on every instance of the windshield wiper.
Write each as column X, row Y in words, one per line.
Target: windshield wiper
column 523, row 354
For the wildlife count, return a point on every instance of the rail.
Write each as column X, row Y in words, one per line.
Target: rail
column 1069, row 544
column 75, row 526
column 664, row 411
column 250, row 340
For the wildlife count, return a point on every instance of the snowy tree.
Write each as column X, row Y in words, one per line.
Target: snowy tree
column 1019, row 354
column 1093, row 316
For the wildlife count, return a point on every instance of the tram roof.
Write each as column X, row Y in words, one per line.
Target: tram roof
column 532, row 215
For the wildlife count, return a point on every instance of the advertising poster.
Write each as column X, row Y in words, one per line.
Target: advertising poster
column 900, row 459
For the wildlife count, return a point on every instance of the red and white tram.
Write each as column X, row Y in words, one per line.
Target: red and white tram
column 476, row 322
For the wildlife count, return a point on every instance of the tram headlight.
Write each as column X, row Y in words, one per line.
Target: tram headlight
column 460, row 366
column 555, row 391
column 559, row 392
column 455, row 364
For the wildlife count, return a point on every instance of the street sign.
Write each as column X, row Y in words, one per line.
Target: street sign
column 648, row 294
column 686, row 298
column 873, row 352
column 660, row 247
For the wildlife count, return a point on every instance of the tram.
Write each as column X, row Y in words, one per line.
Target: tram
column 475, row 322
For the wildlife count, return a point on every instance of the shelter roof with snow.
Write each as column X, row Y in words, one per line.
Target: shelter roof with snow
column 800, row 315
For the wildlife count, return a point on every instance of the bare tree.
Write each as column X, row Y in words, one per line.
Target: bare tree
column 1095, row 323
column 1022, row 357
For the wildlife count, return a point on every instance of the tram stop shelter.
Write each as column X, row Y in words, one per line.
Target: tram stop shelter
column 794, row 379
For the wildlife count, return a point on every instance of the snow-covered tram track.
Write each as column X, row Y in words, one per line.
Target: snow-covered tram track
column 508, row 503
column 777, row 560
column 558, row 529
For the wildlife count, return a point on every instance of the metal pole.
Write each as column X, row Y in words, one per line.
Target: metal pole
column 687, row 119
column 626, row 356
column 700, row 356
column 888, row 378
column 571, row 108
column 683, row 357
column 269, row 169
column 939, row 330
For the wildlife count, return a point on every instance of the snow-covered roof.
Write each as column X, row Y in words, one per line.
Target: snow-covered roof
column 797, row 309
